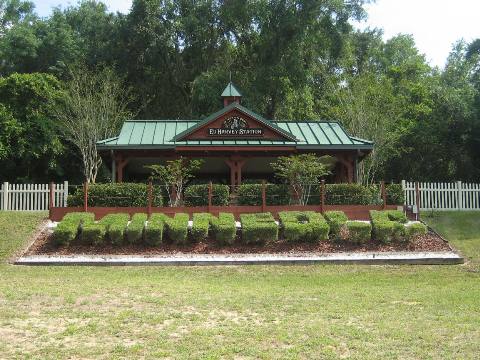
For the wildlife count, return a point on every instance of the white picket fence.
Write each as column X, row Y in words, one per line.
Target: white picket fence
column 443, row 196
column 31, row 197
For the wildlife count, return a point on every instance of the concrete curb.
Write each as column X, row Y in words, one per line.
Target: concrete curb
column 394, row 258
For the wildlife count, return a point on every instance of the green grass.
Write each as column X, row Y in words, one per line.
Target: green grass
column 331, row 312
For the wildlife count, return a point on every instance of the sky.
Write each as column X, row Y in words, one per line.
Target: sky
column 435, row 24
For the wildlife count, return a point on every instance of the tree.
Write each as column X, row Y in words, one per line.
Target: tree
column 174, row 175
column 93, row 108
column 302, row 172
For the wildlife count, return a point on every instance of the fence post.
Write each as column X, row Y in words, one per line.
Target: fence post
column 264, row 196
column 5, row 196
column 149, row 200
column 417, row 200
column 50, row 199
column 384, row 194
column 209, row 196
column 65, row 193
column 322, row 196
column 459, row 195
column 85, row 196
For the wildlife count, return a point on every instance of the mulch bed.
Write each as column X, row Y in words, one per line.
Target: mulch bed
column 44, row 246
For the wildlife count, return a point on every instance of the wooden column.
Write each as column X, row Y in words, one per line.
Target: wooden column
column 121, row 163
column 235, row 165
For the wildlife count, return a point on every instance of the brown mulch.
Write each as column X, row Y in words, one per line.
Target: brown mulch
column 43, row 245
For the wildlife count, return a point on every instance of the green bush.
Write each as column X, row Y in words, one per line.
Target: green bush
column 415, row 230
column 197, row 195
column 136, row 228
column 251, row 194
column 396, row 215
column 94, row 234
column 115, row 225
column 200, row 226
column 223, row 228
column 303, row 226
column 258, row 228
column 154, row 229
column 117, row 195
column 395, row 194
column 335, row 219
column 177, row 228
column 70, row 226
column 359, row 232
column 388, row 225
column 351, row 194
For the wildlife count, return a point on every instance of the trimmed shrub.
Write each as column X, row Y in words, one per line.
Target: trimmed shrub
column 359, row 232
column 94, row 234
column 303, row 226
column 115, row 225
column 197, row 195
column 154, row 229
column 258, row 228
column 200, row 226
column 117, row 195
column 388, row 225
column 415, row 230
column 177, row 228
column 251, row 194
column 70, row 226
column 136, row 228
column 395, row 194
column 335, row 219
column 223, row 228
column 351, row 194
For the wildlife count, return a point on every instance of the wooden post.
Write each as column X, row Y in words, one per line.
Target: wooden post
column 384, row 194
column 322, row 196
column 150, row 198
column 417, row 200
column 50, row 200
column 209, row 196
column 85, row 197
column 264, row 196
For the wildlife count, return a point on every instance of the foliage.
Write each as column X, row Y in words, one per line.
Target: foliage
column 116, row 225
column 388, row 226
column 302, row 172
column 154, row 229
column 300, row 226
column 351, row 194
column 93, row 234
column 197, row 195
column 116, row 195
column 358, row 232
column 71, row 225
column 135, row 229
column 224, row 228
column 200, row 226
column 395, row 194
column 258, row 228
column 251, row 194
column 336, row 220
column 177, row 228
column 174, row 175
column 415, row 230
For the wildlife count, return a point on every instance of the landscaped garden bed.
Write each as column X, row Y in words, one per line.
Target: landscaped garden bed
column 294, row 232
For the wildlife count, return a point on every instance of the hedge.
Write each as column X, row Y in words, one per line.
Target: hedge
column 94, row 234
column 251, row 194
column 197, row 195
column 258, row 228
column 388, row 225
column 154, row 229
column 395, row 194
column 351, row 194
column 70, row 226
column 224, row 228
column 115, row 225
column 177, row 228
column 359, row 232
column 136, row 228
column 415, row 230
column 117, row 195
column 200, row 226
column 303, row 226
column 335, row 219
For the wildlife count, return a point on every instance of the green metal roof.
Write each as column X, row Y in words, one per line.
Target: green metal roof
column 230, row 90
column 161, row 134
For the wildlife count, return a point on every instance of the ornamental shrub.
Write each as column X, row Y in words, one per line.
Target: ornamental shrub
column 388, row 225
column 200, row 226
column 224, row 228
column 351, row 194
column 303, row 226
column 395, row 194
column 177, row 228
column 396, row 215
column 154, row 229
column 197, row 195
column 251, row 194
column 336, row 220
column 258, row 228
column 136, row 228
column 359, row 232
column 94, row 234
column 115, row 225
column 415, row 230
column 70, row 226
column 117, row 195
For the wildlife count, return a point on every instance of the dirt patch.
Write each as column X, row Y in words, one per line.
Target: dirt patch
column 45, row 246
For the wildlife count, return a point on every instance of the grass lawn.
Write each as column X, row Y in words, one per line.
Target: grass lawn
column 358, row 312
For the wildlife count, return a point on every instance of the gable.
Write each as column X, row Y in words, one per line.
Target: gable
column 235, row 122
